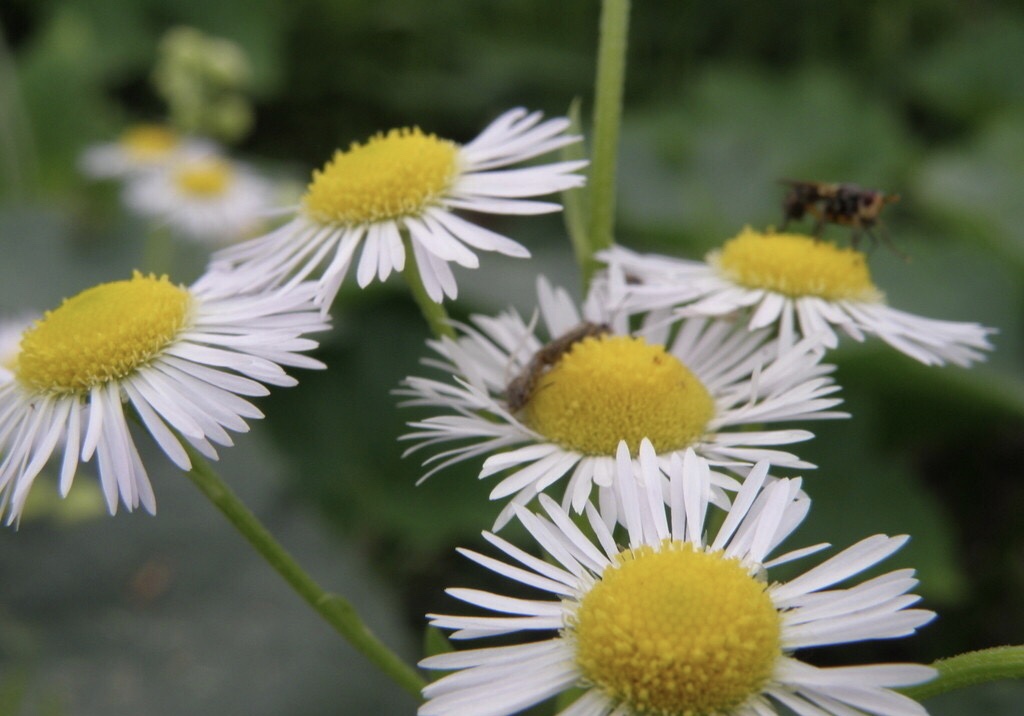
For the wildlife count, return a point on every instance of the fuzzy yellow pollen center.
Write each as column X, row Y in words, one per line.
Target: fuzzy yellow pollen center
column 796, row 265
column 148, row 142
column 102, row 334
column 611, row 388
column 391, row 176
column 204, row 178
column 676, row 631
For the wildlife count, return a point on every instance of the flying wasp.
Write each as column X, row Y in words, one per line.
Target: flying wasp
column 520, row 389
column 841, row 204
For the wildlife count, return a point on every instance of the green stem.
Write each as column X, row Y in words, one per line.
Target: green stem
column 575, row 202
column 336, row 610
column 611, row 73
column 434, row 313
column 970, row 669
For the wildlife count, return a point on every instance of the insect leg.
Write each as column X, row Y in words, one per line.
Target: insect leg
column 887, row 240
column 819, row 228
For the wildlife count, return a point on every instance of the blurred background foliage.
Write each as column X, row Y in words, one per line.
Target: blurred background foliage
column 172, row 615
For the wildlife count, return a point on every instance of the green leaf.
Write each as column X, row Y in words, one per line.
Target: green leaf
column 341, row 435
column 708, row 161
column 965, row 76
column 1001, row 698
column 974, row 191
column 13, row 687
column 861, row 488
column 59, row 80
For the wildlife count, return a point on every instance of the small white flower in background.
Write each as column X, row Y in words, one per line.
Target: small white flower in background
column 710, row 386
column 680, row 621
column 795, row 285
column 406, row 183
column 140, row 148
column 205, row 198
column 181, row 359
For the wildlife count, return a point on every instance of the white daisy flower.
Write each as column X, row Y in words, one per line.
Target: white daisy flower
column 679, row 622
column 206, row 198
column 140, row 148
column 182, row 360
column 542, row 413
column 401, row 189
column 795, row 284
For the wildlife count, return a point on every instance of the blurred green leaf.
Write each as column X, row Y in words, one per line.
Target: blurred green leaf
column 860, row 489
column 59, row 80
column 975, row 189
column 707, row 161
column 968, row 75
column 998, row 699
column 13, row 687
column 952, row 277
column 341, row 428
column 83, row 502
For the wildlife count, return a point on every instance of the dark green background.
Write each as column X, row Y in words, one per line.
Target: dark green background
column 171, row 614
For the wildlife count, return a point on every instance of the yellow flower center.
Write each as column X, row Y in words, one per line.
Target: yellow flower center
column 795, row 265
column 147, row 142
column 611, row 388
column 204, row 178
column 102, row 334
column 393, row 175
column 676, row 631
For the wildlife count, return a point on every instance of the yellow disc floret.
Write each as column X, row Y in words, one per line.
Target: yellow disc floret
column 393, row 175
column 148, row 142
column 611, row 388
column 204, row 178
column 676, row 631
column 795, row 265
column 102, row 334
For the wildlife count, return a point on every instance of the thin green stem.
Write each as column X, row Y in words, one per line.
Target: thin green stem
column 611, row 74
column 336, row 610
column 433, row 312
column 575, row 202
column 970, row 669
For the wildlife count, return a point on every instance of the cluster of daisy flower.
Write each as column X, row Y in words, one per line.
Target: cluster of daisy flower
column 184, row 359
column 647, row 408
column 174, row 174
column 644, row 422
column 185, row 184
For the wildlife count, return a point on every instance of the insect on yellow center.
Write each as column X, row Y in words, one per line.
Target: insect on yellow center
column 204, row 178
column 611, row 388
column 676, row 630
column 148, row 142
column 795, row 265
column 102, row 334
column 393, row 175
